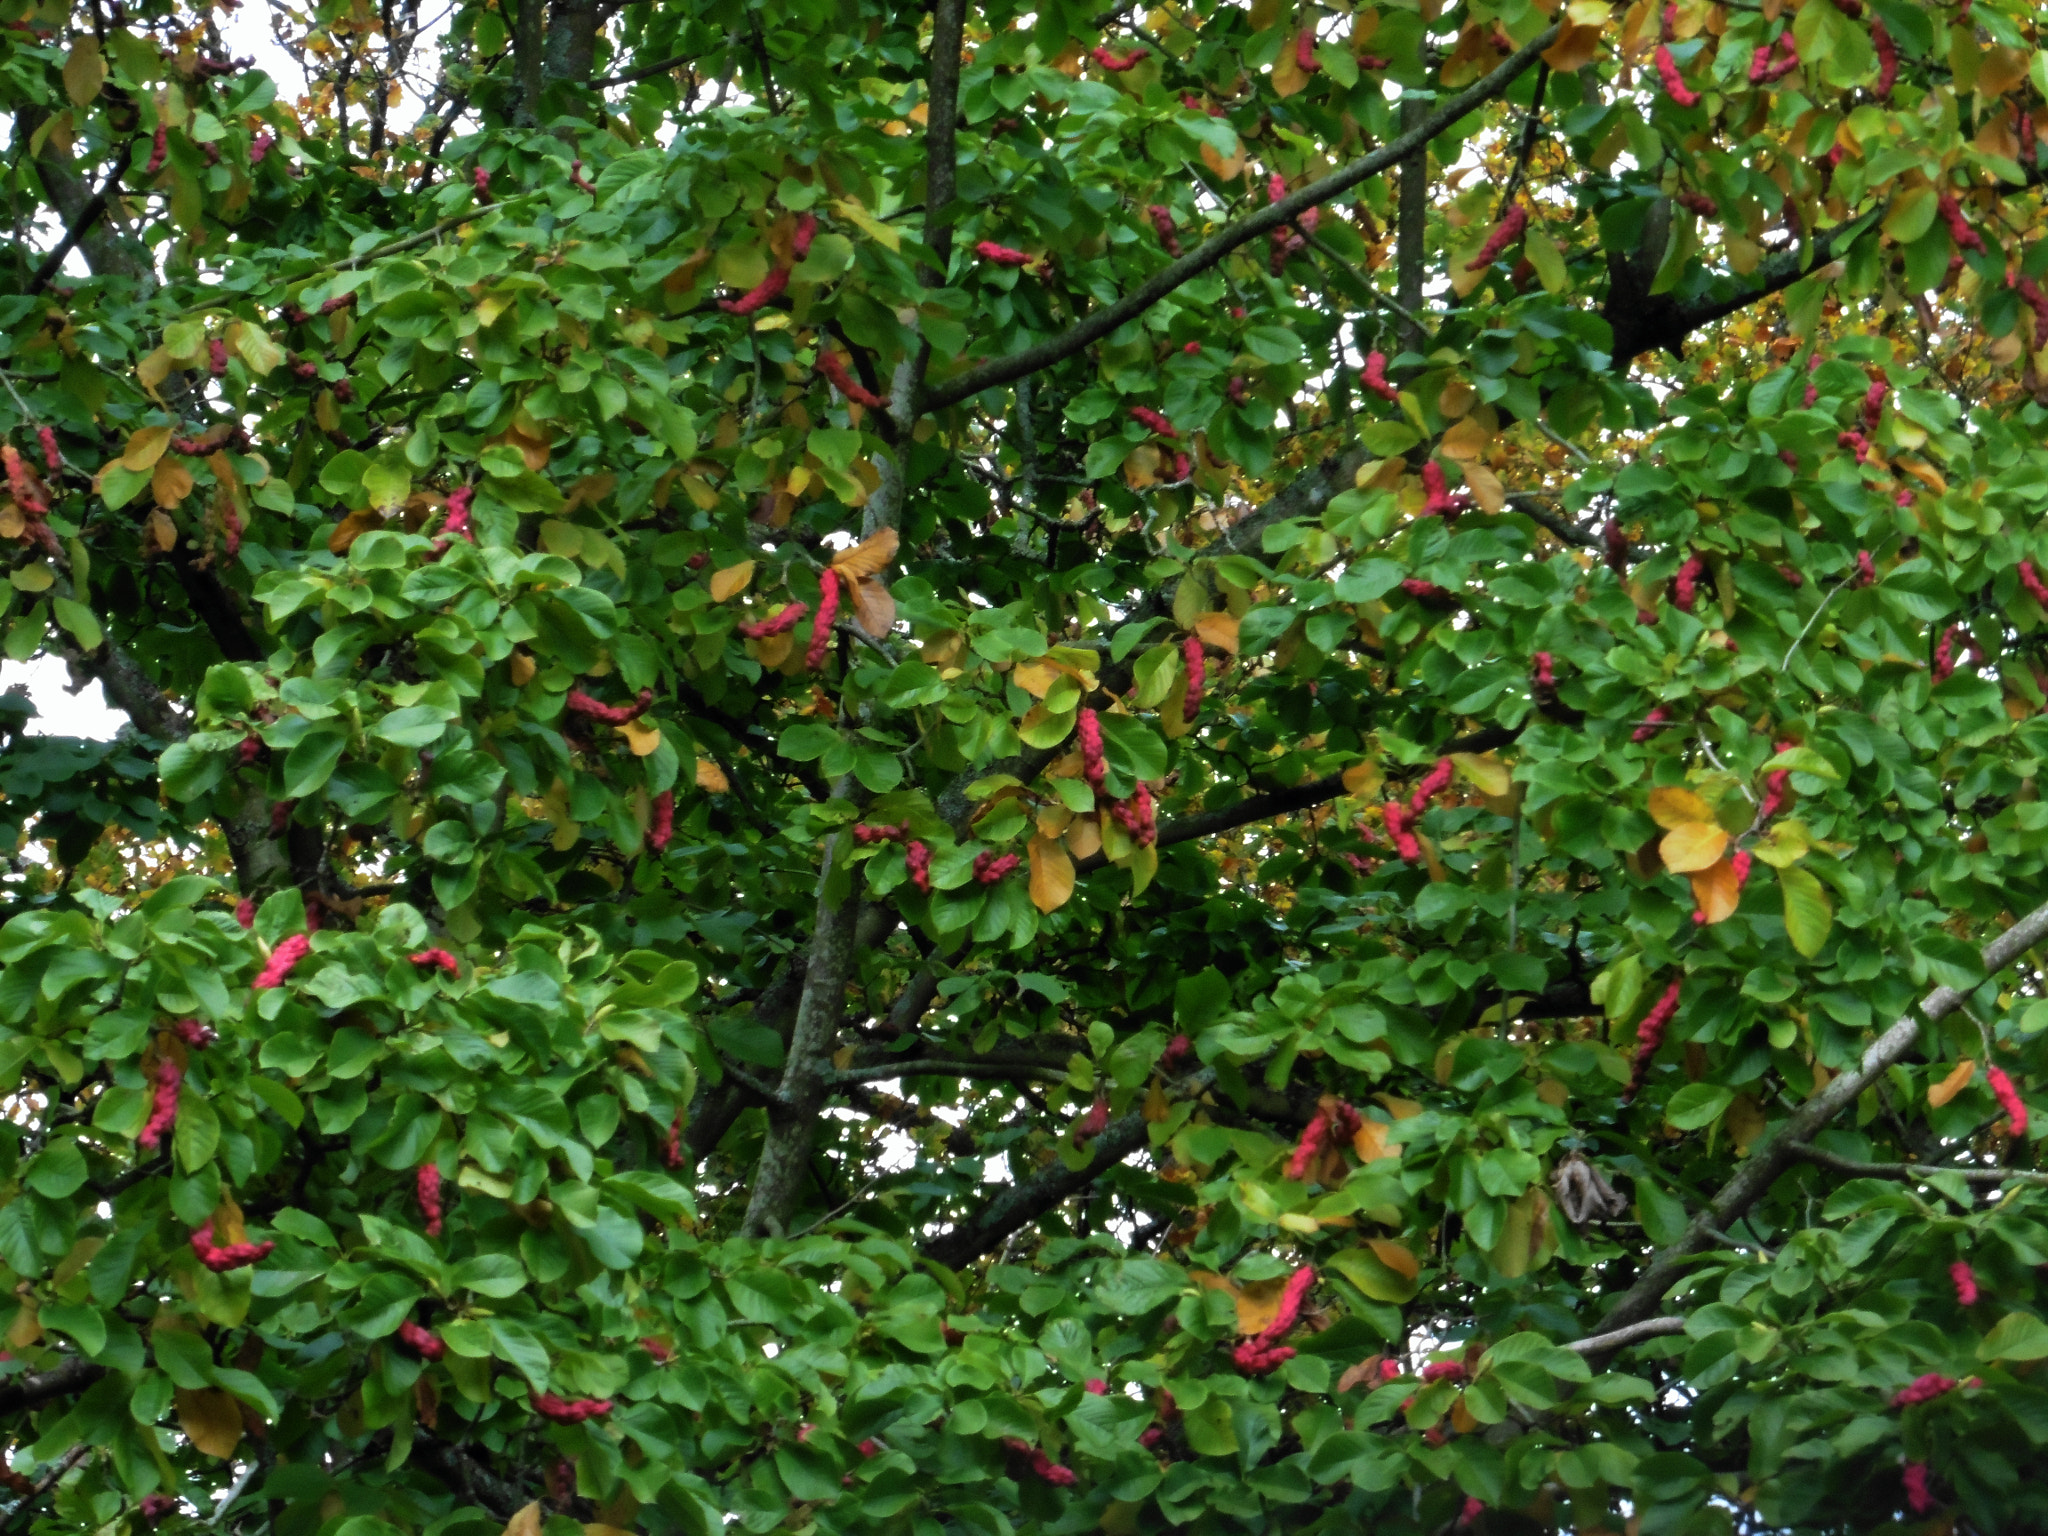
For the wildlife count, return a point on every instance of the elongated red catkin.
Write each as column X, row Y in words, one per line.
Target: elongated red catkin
column 1197, row 661
column 766, row 291
column 1152, row 421
column 1432, row 784
column 195, row 1034
column 1653, row 722
column 220, row 1258
column 672, row 1145
column 781, row 622
column 1923, row 1390
column 289, row 952
column 436, row 959
column 1945, row 656
column 1650, row 1035
column 821, row 626
column 1965, row 1280
column 1305, row 51
column 611, row 714
column 833, row 366
column 1887, row 59
column 52, row 460
column 1443, row 1370
column 1264, row 1352
column 1428, row 592
column 159, row 146
column 2037, row 301
column 1003, row 255
column 164, row 1110
column 1136, row 816
column 991, row 867
column 549, row 1406
column 1866, row 570
column 1685, row 585
column 918, row 858
column 1401, row 829
column 661, row 827
column 1116, row 63
column 1094, row 1122
column 1162, row 225
column 1375, row 376
column 1042, row 1465
column 421, row 1341
column 1505, row 234
column 427, row 1186
column 1919, row 1498
column 1334, row 1124
column 1615, row 546
column 1674, row 83
column 2009, row 1098
column 800, row 238
column 1777, row 787
column 1960, row 229
column 1088, row 728
column 1439, row 502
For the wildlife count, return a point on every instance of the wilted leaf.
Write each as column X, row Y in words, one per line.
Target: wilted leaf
column 526, row 1523
column 642, row 737
column 1957, row 1080
column 1574, row 49
column 868, row 557
column 873, row 608
column 170, row 482
column 1396, row 1257
column 731, row 581
column 1370, row 1141
column 711, row 777
column 351, row 528
column 1219, row 630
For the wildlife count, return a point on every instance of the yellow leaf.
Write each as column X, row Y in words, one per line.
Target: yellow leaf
column 521, row 669
column 641, row 737
column 153, row 370
column 1468, row 439
column 1258, row 1304
column 711, row 777
column 170, row 482
column 84, row 72
column 1035, row 677
column 1052, row 874
column 1219, row 630
column 145, row 447
column 1084, row 838
column 160, row 533
column 1692, row 845
column 1370, row 1142
column 1141, row 467
column 1364, row 779
column 1574, row 49
column 1953, row 1084
column 868, row 557
column 1745, row 1121
column 211, row 1419
column 1461, row 1416
column 731, row 581
column 27, row 1326
column 1671, row 807
column 1715, row 891
column 850, row 210
column 525, row 1523
column 1288, row 76
column 1228, row 167
column 1487, row 772
column 1395, row 1257
column 1400, row 1109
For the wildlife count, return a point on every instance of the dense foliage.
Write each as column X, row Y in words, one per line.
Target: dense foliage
column 1010, row 770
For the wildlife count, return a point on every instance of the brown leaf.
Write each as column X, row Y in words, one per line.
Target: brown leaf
column 1370, row 1142
column 711, row 777
column 1467, row 440
column 145, row 447
column 1052, row 874
column 1715, row 891
column 731, row 581
column 1692, row 845
column 1671, row 807
column 1364, row 779
column 1574, row 48
column 1084, row 838
column 160, row 534
column 1461, row 1417
column 1400, row 1109
column 1219, row 630
column 1227, row 167
column 1953, row 1084
column 211, row 1420
column 426, row 1401
column 868, row 557
column 170, row 483
column 351, row 528
column 1485, row 487
column 521, row 668
column 873, row 608
column 1395, row 1257
column 1258, row 1304
column 1364, row 1374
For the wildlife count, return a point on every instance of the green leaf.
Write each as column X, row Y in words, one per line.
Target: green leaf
column 79, row 623
column 310, row 762
column 1697, row 1105
column 2017, row 1336
column 1808, row 915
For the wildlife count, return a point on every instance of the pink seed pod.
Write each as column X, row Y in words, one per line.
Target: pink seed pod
column 661, row 820
column 1685, row 585
column 1401, row 829
column 1162, row 225
column 1959, row 227
column 1432, row 784
column 159, row 147
column 549, row 1406
column 918, row 858
column 195, row 1034
column 1615, row 543
column 1305, row 51
column 1777, row 787
column 1924, row 1389
column 421, row 1341
column 1003, row 255
column 245, row 912
column 1866, row 570
column 1177, row 1051
column 481, row 180
column 1332, row 1125
column 289, row 952
column 821, row 626
column 1264, row 1352
column 1197, row 661
column 164, row 1110
column 578, row 180
column 1093, row 1123
column 1965, row 1280
column 764, row 292
column 52, row 460
column 1096, row 1387
column 802, row 235
column 436, row 959
column 672, row 1146
column 260, row 146
column 1653, row 722
column 1374, row 375
column 1116, row 63
column 1674, row 82
column 1088, row 728
column 784, row 620
column 1042, row 1465
column 582, row 703
column 866, row 835
column 1918, row 1498
column 222, row 1258
column 1650, row 1035
column 991, row 867
column 1945, row 656
column 1444, row 1370
column 2009, row 1098
column 1428, row 593
column 1504, row 234
column 1152, row 421
column 1887, row 59
column 456, row 524
column 1739, row 863
column 836, row 373
column 427, row 1185
column 1439, row 502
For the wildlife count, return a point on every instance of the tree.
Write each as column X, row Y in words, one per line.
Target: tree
column 999, row 769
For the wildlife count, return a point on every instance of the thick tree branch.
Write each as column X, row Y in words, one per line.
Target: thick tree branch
column 1635, row 1333
column 942, row 119
column 1778, row 1150
column 453, row 1466
column 80, row 225
column 992, row 1069
column 1411, row 229
column 73, row 1376
column 1099, row 324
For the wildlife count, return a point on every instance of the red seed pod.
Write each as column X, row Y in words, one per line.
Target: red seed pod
column 195, row 1034
column 344, row 301
column 1793, row 578
column 1191, row 349
column 2037, row 301
column 1965, row 1280
column 245, row 912
column 1197, row 661
column 821, row 626
column 672, row 1146
column 421, row 1341
column 581, row 703
column 1739, row 863
column 164, row 1109
column 260, row 146
column 763, row 292
column 1093, row 1123
column 784, row 620
column 481, row 180
column 991, row 867
column 1178, row 1050
column 427, row 1186
column 217, row 357
column 1115, row 63
column 52, row 460
column 661, row 1352
column 1444, row 1370
column 1653, row 722
column 1333, row 1124
column 437, row 959
column 1873, row 402
column 1375, row 376
column 1616, row 545
column 1400, row 828
column 159, row 146
column 2009, row 1098
column 1439, row 502
column 866, row 835
column 1264, row 1352
column 1959, row 227
column 1432, row 784
column 21, row 482
column 1788, row 458
column 802, row 235
column 662, row 820
column 833, row 366
column 1866, row 570
column 153, row 1508
column 1183, row 469
column 1777, row 788
column 1696, row 202
column 1305, row 51
column 1237, row 390
column 577, row 179
column 220, row 1259
column 1919, row 1499
column 1162, row 225
column 1505, row 234
column 1685, row 585
column 1887, row 59
column 1095, row 1386
column 919, row 859
column 248, row 750
column 1152, row 421
column 289, row 952
column 1003, row 255
column 1674, row 83
column 1088, row 728
column 1046, row 1469
column 1945, row 656
column 1924, row 1389
column 549, row 1406
column 1649, row 1036
column 1428, row 593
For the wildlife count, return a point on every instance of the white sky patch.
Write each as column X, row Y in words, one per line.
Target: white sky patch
column 59, row 712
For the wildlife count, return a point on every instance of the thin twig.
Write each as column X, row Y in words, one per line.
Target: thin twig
column 1913, row 1172
column 1529, row 125
column 1651, row 1328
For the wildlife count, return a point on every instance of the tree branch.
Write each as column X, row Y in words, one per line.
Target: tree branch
column 1650, row 1328
column 1771, row 1156
column 1917, row 1173
column 942, row 119
column 1095, row 326
column 643, row 72
column 991, row 1069
column 74, row 1375
column 80, row 225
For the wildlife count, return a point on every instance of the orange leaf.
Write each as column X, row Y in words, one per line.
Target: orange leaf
column 1052, row 874
column 1371, row 1142
column 351, row 528
column 1258, row 1304
column 711, row 777
column 731, row 581
column 641, row 737
column 1219, row 630
column 867, row 557
column 1953, row 1084
column 1395, row 1257
column 170, row 483
column 211, row 1419
column 526, row 1523
column 1400, row 1109
column 1692, row 845
column 1364, row 779
column 1467, row 440
column 873, row 608
column 1574, row 48
column 1364, row 1374
column 1671, row 807
column 1715, row 891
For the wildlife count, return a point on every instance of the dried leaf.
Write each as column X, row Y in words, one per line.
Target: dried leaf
column 1141, row 466
column 1692, row 845
column 1397, row 1258
column 1370, row 1142
column 642, row 737
column 1084, row 838
column 526, row 1523
column 351, row 528
column 1052, row 874
column 1227, row 167
column 145, row 447
column 1364, row 779
column 873, row 608
column 1364, row 1374
column 521, row 668
column 868, row 557
column 1574, row 49
column 731, row 581
column 1258, row 1304
column 1467, row 440
column 711, row 777
column 1671, row 807
column 160, row 534
column 211, row 1420
column 1953, row 1084
column 170, row 482
column 1715, row 891
column 1219, row 630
